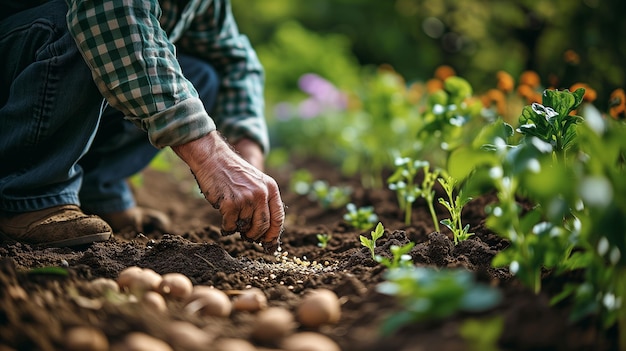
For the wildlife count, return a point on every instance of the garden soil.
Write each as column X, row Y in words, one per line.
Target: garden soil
column 37, row 316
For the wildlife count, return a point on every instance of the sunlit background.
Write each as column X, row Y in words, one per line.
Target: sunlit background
column 565, row 41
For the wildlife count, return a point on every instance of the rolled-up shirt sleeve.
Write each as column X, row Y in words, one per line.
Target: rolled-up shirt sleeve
column 134, row 66
column 213, row 36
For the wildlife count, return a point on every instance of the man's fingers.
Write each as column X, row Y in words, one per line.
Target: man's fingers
column 244, row 222
column 260, row 224
column 271, row 239
column 229, row 222
column 277, row 217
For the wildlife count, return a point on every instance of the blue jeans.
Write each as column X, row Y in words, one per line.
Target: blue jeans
column 58, row 143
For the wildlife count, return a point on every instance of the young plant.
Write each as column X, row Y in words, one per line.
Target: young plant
column 323, row 239
column 301, row 182
column 428, row 193
column 553, row 122
column 400, row 256
column 454, row 205
column 429, row 294
column 329, row 197
column 402, row 181
column 361, row 218
column 544, row 236
column 445, row 121
column 371, row 243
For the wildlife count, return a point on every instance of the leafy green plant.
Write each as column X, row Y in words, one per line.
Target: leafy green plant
column 447, row 115
column 362, row 218
column 399, row 256
column 553, row 122
column 482, row 334
column 402, row 182
column 454, row 205
column 384, row 107
column 375, row 235
column 301, row 181
column 543, row 236
column 328, row 196
column 429, row 294
column 600, row 224
column 323, row 239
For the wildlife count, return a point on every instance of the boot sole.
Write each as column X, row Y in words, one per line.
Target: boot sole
column 78, row 241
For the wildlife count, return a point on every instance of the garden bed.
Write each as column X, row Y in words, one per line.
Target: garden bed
column 55, row 302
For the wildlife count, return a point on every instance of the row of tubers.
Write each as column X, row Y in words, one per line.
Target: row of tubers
column 273, row 325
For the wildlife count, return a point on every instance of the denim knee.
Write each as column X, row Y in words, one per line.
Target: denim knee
column 48, row 110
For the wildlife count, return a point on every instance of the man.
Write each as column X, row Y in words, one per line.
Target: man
column 158, row 64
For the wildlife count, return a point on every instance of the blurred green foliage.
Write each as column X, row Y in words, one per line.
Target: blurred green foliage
column 565, row 41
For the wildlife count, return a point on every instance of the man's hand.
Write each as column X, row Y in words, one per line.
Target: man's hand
column 251, row 152
column 248, row 199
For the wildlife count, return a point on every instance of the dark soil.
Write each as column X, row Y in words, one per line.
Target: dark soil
column 54, row 302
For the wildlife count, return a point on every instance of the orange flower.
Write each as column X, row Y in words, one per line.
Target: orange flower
column 443, row 72
column 415, row 92
column 590, row 93
column 530, row 78
column 497, row 97
column 433, row 85
column 505, row 81
column 528, row 93
column 617, row 104
column 385, row 67
column 571, row 57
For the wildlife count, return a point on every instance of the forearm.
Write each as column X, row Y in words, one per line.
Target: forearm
column 135, row 68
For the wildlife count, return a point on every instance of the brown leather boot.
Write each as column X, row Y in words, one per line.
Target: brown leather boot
column 58, row 226
column 139, row 219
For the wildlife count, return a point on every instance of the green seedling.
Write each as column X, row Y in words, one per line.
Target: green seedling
column 362, row 218
column 454, row 205
column 371, row 243
column 329, row 197
column 482, row 334
column 430, row 294
column 301, row 182
column 428, row 193
column 323, row 239
column 400, row 256
column 402, row 181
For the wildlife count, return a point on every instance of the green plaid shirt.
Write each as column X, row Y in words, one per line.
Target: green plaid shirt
column 130, row 46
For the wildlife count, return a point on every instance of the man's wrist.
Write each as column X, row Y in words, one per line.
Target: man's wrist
column 196, row 152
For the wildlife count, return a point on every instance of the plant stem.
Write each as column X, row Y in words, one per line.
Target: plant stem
column 431, row 208
column 620, row 278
